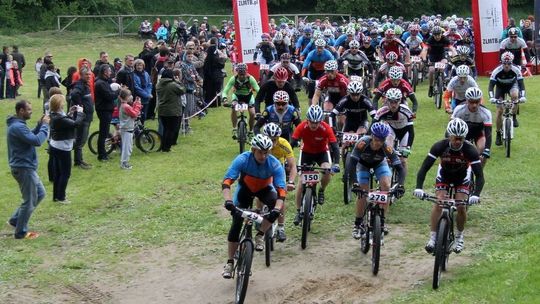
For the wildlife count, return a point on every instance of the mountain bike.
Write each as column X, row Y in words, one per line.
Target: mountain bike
column 310, row 177
column 347, row 141
column 508, row 123
column 244, row 253
column 438, row 88
column 415, row 71
column 147, row 140
column 445, row 233
column 269, row 239
column 373, row 223
column 241, row 125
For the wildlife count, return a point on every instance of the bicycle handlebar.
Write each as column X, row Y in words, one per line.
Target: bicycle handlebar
column 445, row 202
column 249, row 214
column 313, row 168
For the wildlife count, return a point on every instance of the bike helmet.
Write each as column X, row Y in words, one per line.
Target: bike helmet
column 394, row 94
column 513, row 31
column 308, row 30
column 391, row 57
column 473, row 93
column 271, row 130
column 389, row 34
column 320, row 43
column 395, row 73
column 317, row 35
column 278, row 36
column 425, row 27
column 315, row 113
column 457, row 127
column 355, row 87
column 463, row 50
column 265, row 36
column 281, row 96
column 354, row 44
column 261, row 142
column 331, row 65
column 452, row 26
column 437, row 30
column 281, row 74
column 507, row 57
column 327, row 33
column 241, row 68
column 350, row 31
column 285, row 56
column 380, row 130
column 367, row 39
column 462, row 71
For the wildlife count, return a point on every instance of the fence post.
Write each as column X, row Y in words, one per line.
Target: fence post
column 58, row 22
column 120, row 27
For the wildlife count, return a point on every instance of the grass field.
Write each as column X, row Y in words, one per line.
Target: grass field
column 175, row 199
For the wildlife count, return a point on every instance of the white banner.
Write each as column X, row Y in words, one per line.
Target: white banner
column 250, row 27
column 491, row 24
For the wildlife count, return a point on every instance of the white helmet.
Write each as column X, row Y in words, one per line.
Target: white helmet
column 463, row 50
column 473, row 93
column 462, row 71
column 331, row 65
column 395, row 73
column 320, row 43
column 350, row 31
column 278, row 36
column 394, row 94
column 317, row 35
column 261, row 142
column 327, row 32
column 354, row 44
column 272, row 130
column 355, row 87
column 315, row 113
column 457, row 127
column 281, row 96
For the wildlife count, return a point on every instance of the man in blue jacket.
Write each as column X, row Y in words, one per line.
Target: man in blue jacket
column 22, row 143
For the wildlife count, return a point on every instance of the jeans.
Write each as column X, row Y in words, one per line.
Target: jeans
column 105, row 118
column 33, row 192
column 127, row 145
column 80, row 141
column 62, row 172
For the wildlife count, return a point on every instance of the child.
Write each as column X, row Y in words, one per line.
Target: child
column 129, row 111
column 15, row 80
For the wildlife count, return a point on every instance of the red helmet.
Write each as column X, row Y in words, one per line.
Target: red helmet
column 389, row 33
column 281, row 74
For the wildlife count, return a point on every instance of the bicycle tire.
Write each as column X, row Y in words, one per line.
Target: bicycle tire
column 364, row 241
column 440, row 251
column 243, row 270
column 306, row 220
column 268, row 246
column 148, row 141
column 347, row 181
column 415, row 77
column 440, row 87
column 376, row 245
column 508, row 134
column 242, row 135
column 92, row 143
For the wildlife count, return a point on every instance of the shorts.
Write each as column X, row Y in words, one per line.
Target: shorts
column 460, row 182
column 244, row 99
column 363, row 173
column 314, row 158
column 502, row 90
column 352, row 125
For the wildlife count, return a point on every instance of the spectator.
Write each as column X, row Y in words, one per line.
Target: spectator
column 125, row 74
column 194, row 29
column 52, row 78
column 528, row 35
column 103, row 59
column 181, row 33
column 63, row 128
column 117, row 63
column 9, row 60
column 143, row 86
column 129, row 111
column 37, row 67
column 156, row 25
column 104, row 108
column 68, row 81
column 147, row 55
column 190, row 80
column 22, row 143
column 145, row 29
column 162, row 33
column 19, row 57
column 50, row 165
column 15, row 80
column 169, row 107
column 85, row 63
column 214, row 73
column 81, row 96
column 3, row 71
column 47, row 59
column 160, row 59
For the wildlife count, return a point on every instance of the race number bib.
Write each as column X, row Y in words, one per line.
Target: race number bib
column 378, row 198
column 351, row 137
column 310, row 177
column 240, row 107
column 416, row 59
column 265, row 67
column 440, row 65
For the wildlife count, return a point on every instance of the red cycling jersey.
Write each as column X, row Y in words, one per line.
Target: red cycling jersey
column 392, row 45
column 314, row 141
column 403, row 86
column 337, row 85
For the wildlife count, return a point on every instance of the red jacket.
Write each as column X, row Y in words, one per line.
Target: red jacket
column 15, row 74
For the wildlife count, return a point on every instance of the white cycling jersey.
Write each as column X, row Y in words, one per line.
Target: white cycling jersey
column 458, row 88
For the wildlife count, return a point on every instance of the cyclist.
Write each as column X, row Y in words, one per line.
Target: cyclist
column 280, row 113
column 369, row 50
column 356, row 108
column 434, row 50
column 391, row 61
column 244, row 86
column 400, row 119
column 281, row 45
column 452, row 34
column 371, row 152
column 265, row 51
column 457, row 156
column 334, row 83
column 457, row 87
column 396, row 80
column 269, row 88
column 303, row 41
column 285, row 62
column 260, row 175
column 515, row 45
column 317, row 137
column 508, row 79
column 357, row 62
column 343, row 41
column 463, row 57
column 390, row 43
column 313, row 66
column 478, row 119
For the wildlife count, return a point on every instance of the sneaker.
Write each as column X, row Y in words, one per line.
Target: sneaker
column 430, row 246
column 63, row 202
column 459, row 244
column 516, row 122
column 29, row 236
column 234, row 134
column 126, row 166
column 227, row 270
column 280, row 235
column 498, row 139
column 259, row 242
column 83, row 165
column 321, row 197
column 358, row 231
column 297, row 219
column 430, row 92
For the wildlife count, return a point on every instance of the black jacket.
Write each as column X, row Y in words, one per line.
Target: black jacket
column 125, row 77
column 63, row 126
column 104, row 95
column 80, row 95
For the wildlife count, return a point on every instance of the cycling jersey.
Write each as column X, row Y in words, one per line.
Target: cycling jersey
column 336, row 88
column 453, row 37
column 242, row 88
column 479, row 122
column 266, row 94
column 284, row 120
column 415, row 44
column 291, row 69
column 301, row 44
column 392, row 45
column 314, row 63
column 515, row 46
column 403, row 86
column 400, row 121
column 314, row 141
column 265, row 52
column 355, row 112
column 436, row 49
column 458, row 88
column 369, row 51
column 282, row 150
column 357, row 61
column 506, row 80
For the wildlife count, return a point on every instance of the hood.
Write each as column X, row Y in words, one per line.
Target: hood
column 13, row 119
column 79, row 63
column 51, row 73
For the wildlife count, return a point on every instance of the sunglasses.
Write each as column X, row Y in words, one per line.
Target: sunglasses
column 354, row 48
column 281, row 104
column 355, row 94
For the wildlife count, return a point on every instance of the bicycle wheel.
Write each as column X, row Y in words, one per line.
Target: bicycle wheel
column 508, row 135
column 438, row 96
column 376, row 250
column 268, row 236
column 364, row 241
column 148, row 141
column 243, row 270
column 347, row 181
column 242, row 135
column 93, row 143
column 440, row 252
column 306, row 220
column 414, row 77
